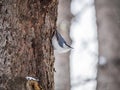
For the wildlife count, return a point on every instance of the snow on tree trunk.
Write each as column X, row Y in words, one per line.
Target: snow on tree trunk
column 108, row 21
column 26, row 28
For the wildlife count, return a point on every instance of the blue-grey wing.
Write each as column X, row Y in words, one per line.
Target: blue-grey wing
column 60, row 39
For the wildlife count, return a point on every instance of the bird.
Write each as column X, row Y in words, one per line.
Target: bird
column 33, row 83
column 31, row 78
column 59, row 43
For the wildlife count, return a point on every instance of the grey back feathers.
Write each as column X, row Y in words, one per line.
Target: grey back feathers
column 59, row 43
column 61, row 40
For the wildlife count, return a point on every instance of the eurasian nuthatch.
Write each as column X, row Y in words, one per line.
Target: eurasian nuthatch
column 59, row 43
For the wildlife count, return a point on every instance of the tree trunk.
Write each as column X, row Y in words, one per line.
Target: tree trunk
column 26, row 28
column 108, row 21
column 62, row 63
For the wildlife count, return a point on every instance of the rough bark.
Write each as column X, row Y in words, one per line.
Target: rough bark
column 62, row 63
column 108, row 21
column 26, row 28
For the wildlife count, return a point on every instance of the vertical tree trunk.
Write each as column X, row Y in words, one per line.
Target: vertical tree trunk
column 26, row 28
column 108, row 21
column 62, row 75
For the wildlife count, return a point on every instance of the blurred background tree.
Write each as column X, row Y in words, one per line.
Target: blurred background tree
column 62, row 61
column 108, row 23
